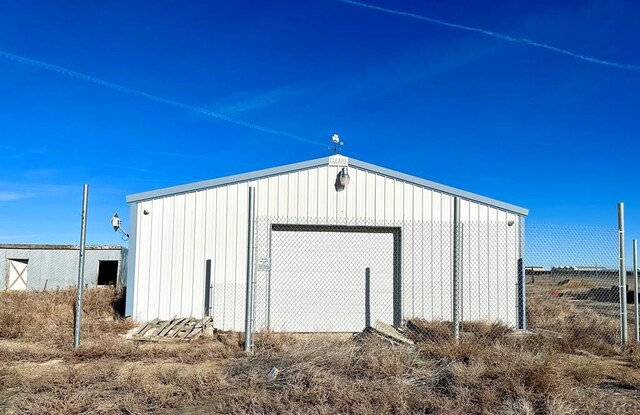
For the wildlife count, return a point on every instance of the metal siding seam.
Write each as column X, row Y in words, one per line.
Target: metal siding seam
column 235, row 263
column 318, row 198
column 207, row 288
column 306, row 215
column 287, row 196
column 213, row 251
column 173, row 247
column 413, row 252
column 431, row 254
column 479, row 273
column 326, row 189
column 297, row 196
column 267, row 193
column 184, row 227
column 341, row 216
column 161, row 253
column 224, row 258
column 422, row 224
column 441, row 257
column 195, row 241
column 506, row 268
column 366, row 186
column 149, row 267
column 487, row 309
column 498, row 273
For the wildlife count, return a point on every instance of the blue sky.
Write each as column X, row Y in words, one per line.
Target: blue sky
column 518, row 123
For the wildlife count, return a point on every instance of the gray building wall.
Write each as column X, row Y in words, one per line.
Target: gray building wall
column 57, row 266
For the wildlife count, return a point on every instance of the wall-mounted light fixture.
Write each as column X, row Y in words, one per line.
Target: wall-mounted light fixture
column 116, row 222
column 344, row 177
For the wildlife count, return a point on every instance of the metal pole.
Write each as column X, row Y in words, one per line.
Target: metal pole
column 635, row 289
column 367, row 298
column 456, row 266
column 248, row 326
column 83, row 234
column 623, row 275
column 522, row 277
column 207, row 289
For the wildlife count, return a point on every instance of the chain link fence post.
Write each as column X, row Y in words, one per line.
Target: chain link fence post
column 367, row 298
column 635, row 290
column 522, row 277
column 248, row 323
column 623, row 276
column 456, row 268
column 83, row 234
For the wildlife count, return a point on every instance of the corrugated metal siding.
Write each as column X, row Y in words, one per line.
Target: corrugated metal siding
column 59, row 268
column 182, row 231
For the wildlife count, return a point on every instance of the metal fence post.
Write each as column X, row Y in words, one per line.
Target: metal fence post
column 522, row 277
column 367, row 298
column 456, row 266
column 83, row 234
column 207, row 290
column 623, row 275
column 635, row 290
column 248, row 326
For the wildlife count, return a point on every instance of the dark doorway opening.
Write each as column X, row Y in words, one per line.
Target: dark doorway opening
column 107, row 272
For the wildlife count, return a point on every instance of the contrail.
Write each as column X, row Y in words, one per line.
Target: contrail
column 130, row 91
column 495, row 35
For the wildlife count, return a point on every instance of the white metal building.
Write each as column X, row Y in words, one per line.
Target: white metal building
column 396, row 224
column 39, row 267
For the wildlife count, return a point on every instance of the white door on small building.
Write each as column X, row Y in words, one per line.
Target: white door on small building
column 17, row 275
column 317, row 281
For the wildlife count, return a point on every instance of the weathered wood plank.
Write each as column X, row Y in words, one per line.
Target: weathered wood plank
column 178, row 328
column 146, row 327
column 171, row 325
column 391, row 332
column 161, row 326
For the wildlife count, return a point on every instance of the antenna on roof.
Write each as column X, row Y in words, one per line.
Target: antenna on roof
column 336, row 144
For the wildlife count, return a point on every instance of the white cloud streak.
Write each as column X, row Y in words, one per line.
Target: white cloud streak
column 11, row 196
column 141, row 94
column 500, row 36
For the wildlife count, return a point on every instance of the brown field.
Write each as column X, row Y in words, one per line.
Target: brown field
column 491, row 371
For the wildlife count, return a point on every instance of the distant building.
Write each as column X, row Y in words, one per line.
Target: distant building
column 573, row 268
column 39, row 267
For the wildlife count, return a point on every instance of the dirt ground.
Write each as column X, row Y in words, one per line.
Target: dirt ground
column 490, row 371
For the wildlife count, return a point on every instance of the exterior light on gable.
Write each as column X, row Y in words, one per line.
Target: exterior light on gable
column 344, row 177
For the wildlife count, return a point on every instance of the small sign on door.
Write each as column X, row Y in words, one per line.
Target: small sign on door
column 263, row 264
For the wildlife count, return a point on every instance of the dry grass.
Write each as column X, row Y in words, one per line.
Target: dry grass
column 488, row 372
column 580, row 328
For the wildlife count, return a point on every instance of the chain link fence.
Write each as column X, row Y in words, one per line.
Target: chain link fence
column 573, row 283
column 432, row 281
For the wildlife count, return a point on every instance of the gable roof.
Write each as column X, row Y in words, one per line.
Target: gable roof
column 324, row 161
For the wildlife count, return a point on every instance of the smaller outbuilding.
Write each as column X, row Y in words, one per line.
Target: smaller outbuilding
column 46, row 267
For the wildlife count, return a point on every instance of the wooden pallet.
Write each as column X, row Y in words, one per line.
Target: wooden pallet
column 186, row 329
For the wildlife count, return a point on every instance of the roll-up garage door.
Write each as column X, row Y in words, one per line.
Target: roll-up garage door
column 317, row 279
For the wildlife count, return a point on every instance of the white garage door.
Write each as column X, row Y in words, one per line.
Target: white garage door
column 318, row 278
